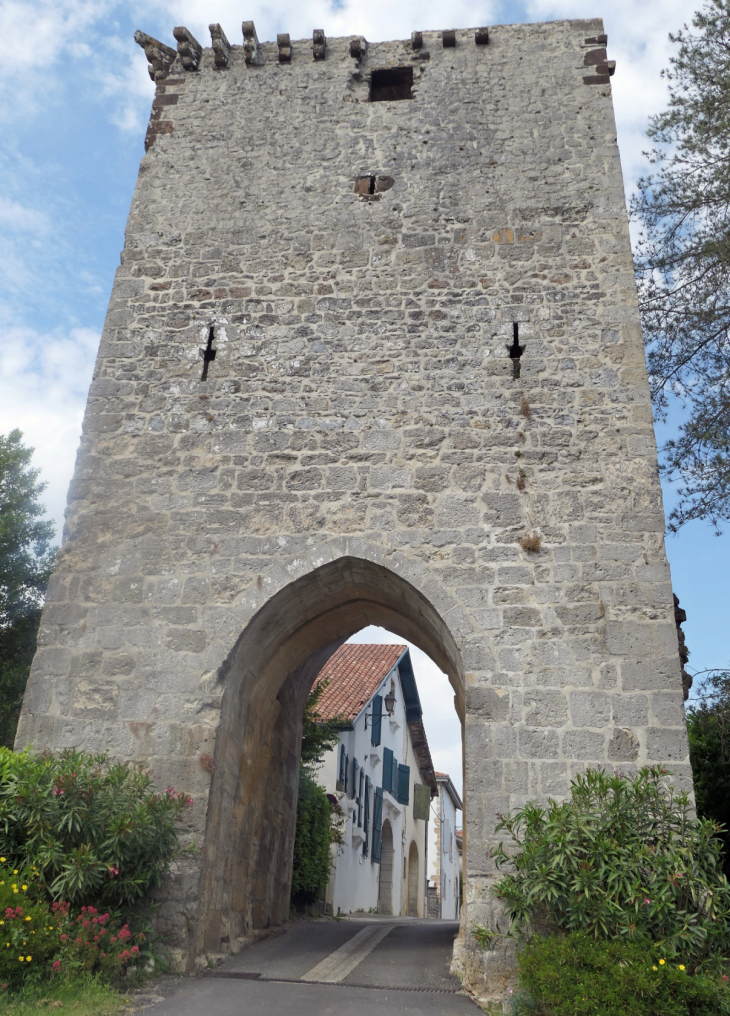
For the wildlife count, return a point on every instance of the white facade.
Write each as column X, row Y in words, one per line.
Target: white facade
column 443, row 850
column 397, row 884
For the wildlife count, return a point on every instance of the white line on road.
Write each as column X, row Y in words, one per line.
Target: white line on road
column 342, row 961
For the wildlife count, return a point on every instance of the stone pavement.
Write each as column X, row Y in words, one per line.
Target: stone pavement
column 366, row 966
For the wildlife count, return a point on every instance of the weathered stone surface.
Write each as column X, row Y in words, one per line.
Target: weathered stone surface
column 362, row 449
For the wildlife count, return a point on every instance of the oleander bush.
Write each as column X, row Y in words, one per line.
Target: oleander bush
column 622, row 858
column 96, row 832
column 581, row 975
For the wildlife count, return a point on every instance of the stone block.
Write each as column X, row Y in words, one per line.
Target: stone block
column 590, row 708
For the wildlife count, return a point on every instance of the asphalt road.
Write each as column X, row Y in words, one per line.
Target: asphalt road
column 377, row 967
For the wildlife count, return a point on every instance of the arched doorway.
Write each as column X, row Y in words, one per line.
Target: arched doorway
column 385, row 896
column 413, row 880
column 251, row 814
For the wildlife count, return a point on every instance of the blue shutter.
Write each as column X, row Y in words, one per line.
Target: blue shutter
column 366, row 816
column 359, row 797
column 353, row 787
column 377, row 719
column 377, row 824
column 404, row 778
column 387, row 769
column 394, row 777
column 342, row 772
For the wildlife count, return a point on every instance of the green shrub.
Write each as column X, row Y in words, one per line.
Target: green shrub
column 578, row 975
column 97, row 832
column 42, row 940
column 311, row 843
column 621, row 858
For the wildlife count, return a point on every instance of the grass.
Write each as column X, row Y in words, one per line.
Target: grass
column 84, row 996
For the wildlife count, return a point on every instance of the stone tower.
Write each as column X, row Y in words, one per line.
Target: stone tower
column 372, row 356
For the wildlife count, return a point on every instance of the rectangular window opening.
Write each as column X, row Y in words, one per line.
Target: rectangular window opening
column 391, row 84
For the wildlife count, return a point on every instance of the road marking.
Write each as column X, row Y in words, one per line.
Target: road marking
column 342, row 961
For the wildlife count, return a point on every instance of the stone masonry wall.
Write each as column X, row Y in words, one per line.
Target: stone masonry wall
column 362, row 407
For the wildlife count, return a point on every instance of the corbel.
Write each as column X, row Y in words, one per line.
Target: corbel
column 250, row 43
column 319, row 44
column 221, row 46
column 283, row 41
column 159, row 56
column 189, row 48
column 358, row 48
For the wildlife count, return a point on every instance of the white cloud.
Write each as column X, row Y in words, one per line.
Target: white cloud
column 18, row 217
column 44, row 379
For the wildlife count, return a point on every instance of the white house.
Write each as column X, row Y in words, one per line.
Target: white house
column 444, row 851
column 382, row 776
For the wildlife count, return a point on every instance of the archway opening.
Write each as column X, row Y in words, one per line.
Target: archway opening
column 246, row 870
column 385, row 895
column 414, row 882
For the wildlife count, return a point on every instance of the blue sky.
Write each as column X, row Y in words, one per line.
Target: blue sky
column 74, row 102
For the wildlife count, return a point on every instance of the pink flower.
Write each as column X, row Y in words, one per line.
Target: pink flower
column 64, row 938
column 135, row 950
column 647, row 902
column 113, row 871
column 55, row 967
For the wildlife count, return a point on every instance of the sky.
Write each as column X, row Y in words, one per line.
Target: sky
column 74, row 102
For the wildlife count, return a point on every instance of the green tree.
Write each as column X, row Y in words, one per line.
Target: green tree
column 708, row 726
column 318, row 820
column 683, row 265
column 25, row 567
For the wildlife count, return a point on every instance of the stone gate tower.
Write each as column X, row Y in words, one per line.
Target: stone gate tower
column 372, row 356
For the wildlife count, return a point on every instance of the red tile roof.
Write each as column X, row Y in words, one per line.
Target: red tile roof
column 354, row 673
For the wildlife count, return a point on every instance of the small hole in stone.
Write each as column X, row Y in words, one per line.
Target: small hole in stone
column 391, row 84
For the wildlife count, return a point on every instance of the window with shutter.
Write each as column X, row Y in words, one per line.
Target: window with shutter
column 361, row 787
column 346, row 784
column 388, row 762
column 366, row 816
column 404, row 780
column 342, row 770
column 377, row 824
column 355, row 773
column 394, row 777
column 421, row 801
column 377, row 719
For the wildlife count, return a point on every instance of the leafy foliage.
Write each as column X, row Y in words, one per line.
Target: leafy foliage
column 683, row 263
column 318, row 735
column 311, row 843
column 97, row 832
column 577, row 975
column 17, row 649
column 25, row 567
column 621, row 858
column 708, row 726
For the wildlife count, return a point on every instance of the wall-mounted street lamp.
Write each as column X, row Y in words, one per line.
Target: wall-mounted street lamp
column 388, row 702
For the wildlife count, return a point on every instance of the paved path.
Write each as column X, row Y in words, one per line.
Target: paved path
column 369, row 967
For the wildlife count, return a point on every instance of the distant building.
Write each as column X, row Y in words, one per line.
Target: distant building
column 444, row 850
column 382, row 776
